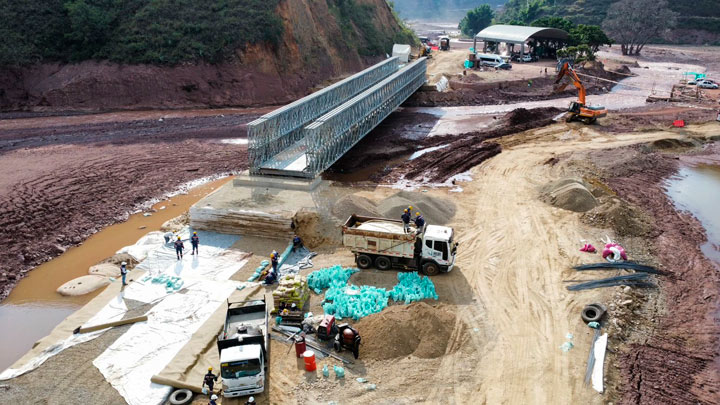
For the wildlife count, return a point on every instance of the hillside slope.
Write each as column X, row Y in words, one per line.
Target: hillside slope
column 698, row 20
column 320, row 40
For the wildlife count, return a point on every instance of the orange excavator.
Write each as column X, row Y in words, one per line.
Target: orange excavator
column 578, row 109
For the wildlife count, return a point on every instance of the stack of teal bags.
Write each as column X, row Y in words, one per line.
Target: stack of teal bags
column 412, row 287
column 259, row 270
column 350, row 301
column 172, row 283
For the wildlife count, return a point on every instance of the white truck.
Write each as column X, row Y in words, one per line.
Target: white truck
column 243, row 345
column 384, row 243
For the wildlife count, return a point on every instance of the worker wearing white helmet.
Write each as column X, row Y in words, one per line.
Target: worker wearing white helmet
column 250, row 401
column 123, row 272
column 213, row 400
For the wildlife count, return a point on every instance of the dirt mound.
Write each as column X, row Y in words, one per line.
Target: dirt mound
column 316, row 230
column 522, row 116
column 417, row 329
column 569, row 194
column 437, row 211
column 671, row 143
column 623, row 218
column 354, row 204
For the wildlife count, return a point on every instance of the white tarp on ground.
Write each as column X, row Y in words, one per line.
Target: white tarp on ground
column 295, row 261
column 146, row 348
column 113, row 311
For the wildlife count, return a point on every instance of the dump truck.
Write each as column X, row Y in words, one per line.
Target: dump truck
column 243, row 345
column 384, row 243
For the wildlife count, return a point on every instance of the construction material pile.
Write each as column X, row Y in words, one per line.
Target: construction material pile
column 323, row 278
column 412, row 287
column 351, row 301
column 355, row 302
column 293, row 289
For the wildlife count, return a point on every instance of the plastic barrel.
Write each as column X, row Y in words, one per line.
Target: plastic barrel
column 300, row 347
column 309, row 356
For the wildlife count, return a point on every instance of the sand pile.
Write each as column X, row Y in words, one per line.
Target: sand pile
column 354, row 204
column 437, row 211
column 316, row 230
column 624, row 219
column 417, row 329
column 569, row 194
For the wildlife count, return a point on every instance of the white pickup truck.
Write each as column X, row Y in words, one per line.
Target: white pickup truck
column 384, row 243
column 243, row 344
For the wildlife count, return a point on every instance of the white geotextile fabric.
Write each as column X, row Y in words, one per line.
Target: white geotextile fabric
column 597, row 372
column 111, row 312
column 147, row 347
column 140, row 249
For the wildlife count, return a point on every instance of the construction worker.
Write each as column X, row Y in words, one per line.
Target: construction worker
column 179, row 246
column 195, row 242
column 270, row 277
column 209, row 380
column 213, row 400
column 123, row 272
column 406, row 220
column 274, row 260
column 419, row 222
column 297, row 243
column 251, row 401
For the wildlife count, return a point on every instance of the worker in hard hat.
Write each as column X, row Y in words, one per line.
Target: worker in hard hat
column 179, row 246
column 406, row 220
column 251, row 401
column 209, row 380
column 213, row 400
column 419, row 222
column 195, row 242
column 123, row 272
column 274, row 260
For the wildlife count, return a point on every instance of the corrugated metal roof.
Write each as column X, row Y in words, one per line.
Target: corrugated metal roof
column 519, row 34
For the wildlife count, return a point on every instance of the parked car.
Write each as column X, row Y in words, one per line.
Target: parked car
column 529, row 58
column 708, row 84
column 504, row 66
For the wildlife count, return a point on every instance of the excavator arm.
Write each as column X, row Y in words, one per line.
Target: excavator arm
column 567, row 70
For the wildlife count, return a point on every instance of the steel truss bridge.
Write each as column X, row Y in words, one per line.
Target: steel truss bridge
column 304, row 138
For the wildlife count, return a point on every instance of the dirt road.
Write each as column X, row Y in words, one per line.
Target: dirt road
column 65, row 178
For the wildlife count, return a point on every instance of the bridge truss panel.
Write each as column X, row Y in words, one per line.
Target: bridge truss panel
column 278, row 130
column 333, row 134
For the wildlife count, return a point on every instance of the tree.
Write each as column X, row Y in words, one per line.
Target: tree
column 554, row 22
column 632, row 23
column 476, row 20
column 590, row 35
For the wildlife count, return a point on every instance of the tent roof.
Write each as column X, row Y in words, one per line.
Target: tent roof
column 519, row 34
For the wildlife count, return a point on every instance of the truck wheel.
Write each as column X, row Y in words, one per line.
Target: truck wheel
column 363, row 261
column 383, row 263
column 181, row 397
column 336, row 346
column 430, row 269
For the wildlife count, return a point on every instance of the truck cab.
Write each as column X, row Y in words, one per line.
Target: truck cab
column 242, row 369
column 242, row 345
column 439, row 247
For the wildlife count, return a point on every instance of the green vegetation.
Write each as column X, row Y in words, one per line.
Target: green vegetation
column 133, row 31
column 591, row 36
column 359, row 32
column 476, row 20
column 692, row 15
column 634, row 22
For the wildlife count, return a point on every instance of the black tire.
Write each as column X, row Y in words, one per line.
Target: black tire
column 363, row 261
column 592, row 313
column 383, row 263
column 356, row 349
column 430, row 269
column 336, row 346
column 181, row 397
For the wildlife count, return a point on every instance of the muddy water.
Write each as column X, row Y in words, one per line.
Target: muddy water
column 697, row 189
column 34, row 308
